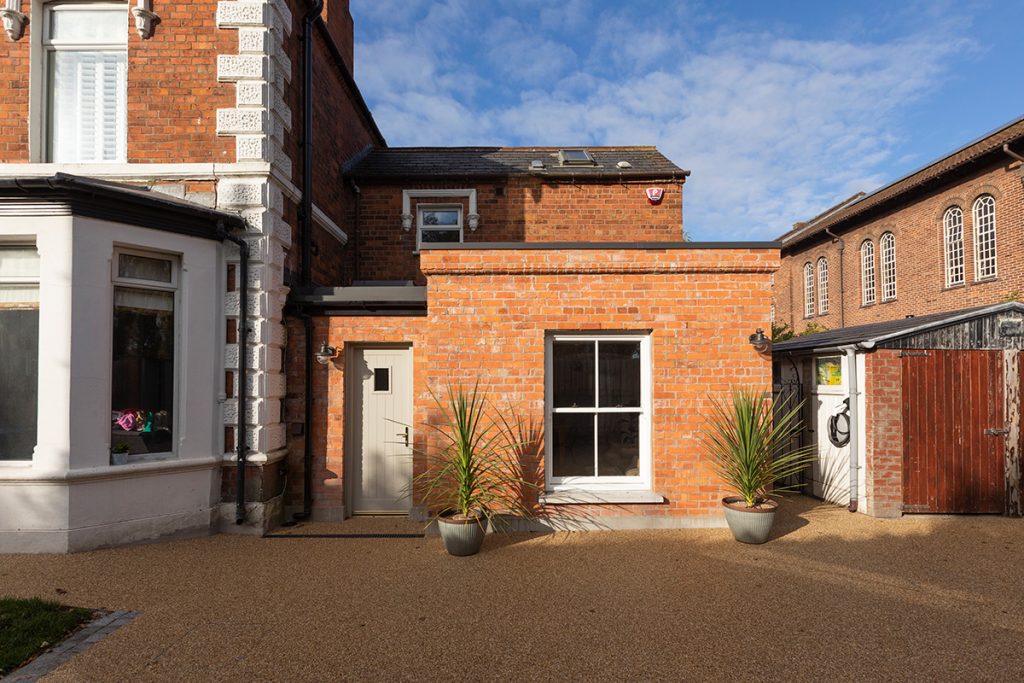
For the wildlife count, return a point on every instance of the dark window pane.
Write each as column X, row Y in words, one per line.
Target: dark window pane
column 441, row 217
column 618, row 444
column 142, row 390
column 572, row 450
column 572, row 365
column 19, row 371
column 431, row 236
column 143, row 268
column 619, row 368
column 382, row 379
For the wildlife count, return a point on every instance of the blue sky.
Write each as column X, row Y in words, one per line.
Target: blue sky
column 780, row 109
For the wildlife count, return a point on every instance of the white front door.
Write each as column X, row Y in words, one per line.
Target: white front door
column 382, row 467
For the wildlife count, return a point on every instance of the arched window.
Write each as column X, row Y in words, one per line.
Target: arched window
column 867, row 272
column 953, row 231
column 888, row 246
column 984, row 237
column 808, row 291
column 822, row 286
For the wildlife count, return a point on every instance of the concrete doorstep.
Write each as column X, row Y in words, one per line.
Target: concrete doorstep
column 102, row 625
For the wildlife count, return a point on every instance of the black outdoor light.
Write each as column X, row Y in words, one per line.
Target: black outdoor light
column 325, row 354
column 761, row 343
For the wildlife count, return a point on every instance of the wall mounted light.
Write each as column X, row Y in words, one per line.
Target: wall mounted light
column 760, row 342
column 326, row 353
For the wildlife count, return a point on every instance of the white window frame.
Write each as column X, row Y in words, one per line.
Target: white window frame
column 822, row 285
column 641, row 482
column 808, row 290
column 177, row 401
column 887, row 246
column 42, row 50
column 23, row 281
column 953, row 239
column 985, row 254
column 421, row 208
column 867, row 272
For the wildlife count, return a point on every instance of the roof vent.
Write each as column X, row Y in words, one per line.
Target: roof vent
column 624, row 164
column 575, row 157
column 536, row 165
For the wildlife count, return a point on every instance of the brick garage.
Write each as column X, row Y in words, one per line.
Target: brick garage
column 937, row 427
column 490, row 309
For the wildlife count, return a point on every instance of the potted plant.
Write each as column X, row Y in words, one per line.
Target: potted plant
column 472, row 479
column 751, row 449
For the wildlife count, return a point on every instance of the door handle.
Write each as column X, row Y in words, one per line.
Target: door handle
column 991, row 431
column 406, row 435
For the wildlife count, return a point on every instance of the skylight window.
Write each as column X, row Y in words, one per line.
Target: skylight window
column 575, row 157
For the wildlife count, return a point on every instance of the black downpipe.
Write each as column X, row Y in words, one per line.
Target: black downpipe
column 355, row 230
column 306, row 227
column 241, row 433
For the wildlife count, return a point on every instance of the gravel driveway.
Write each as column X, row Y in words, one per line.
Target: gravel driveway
column 835, row 597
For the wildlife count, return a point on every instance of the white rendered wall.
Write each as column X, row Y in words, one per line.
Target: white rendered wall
column 68, row 497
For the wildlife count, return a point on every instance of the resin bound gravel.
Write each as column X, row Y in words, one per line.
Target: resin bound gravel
column 834, row 596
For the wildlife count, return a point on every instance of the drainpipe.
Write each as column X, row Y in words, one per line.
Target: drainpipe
column 355, row 230
column 841, row 247
column 306, row 229
column 854, row 396
column 241, row 434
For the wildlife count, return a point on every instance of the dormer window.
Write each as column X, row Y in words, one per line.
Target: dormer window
column 575, row 157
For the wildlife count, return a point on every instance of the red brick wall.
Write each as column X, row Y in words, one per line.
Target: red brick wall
column 173, row 93
column 884, row 429
column 490, row 310
column 516, row 209
column 920, row 260
column 341, row 131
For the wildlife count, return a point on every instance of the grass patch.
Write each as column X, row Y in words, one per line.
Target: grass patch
column 28, row 627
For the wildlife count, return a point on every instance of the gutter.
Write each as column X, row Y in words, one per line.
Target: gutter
column 241, row 432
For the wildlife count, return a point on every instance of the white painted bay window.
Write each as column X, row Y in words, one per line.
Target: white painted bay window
column 143, row 375
column 19, row 350
column 598, row 403
column 85, row 50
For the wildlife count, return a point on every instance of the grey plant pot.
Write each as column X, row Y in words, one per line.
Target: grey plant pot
column 462, row 537
column 748, row 525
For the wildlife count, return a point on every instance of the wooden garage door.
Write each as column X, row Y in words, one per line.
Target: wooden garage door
column 950, row 400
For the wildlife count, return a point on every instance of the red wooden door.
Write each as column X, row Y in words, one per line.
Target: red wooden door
column 953, row 443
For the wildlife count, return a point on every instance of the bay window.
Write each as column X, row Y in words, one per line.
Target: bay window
column 598, row 412
column 19, row 350
column 143, row 363
column 85, row 51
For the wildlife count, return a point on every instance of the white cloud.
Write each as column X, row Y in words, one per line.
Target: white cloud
column 775, row 129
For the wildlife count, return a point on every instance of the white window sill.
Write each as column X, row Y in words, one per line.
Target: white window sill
column 599, row 497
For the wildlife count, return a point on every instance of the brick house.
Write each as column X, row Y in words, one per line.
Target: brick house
column 190, row 207
column 910, row 293
column 942, row 238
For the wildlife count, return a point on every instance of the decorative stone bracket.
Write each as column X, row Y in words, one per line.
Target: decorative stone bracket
column 14, row 19
column 473, row 218
column 145, row 18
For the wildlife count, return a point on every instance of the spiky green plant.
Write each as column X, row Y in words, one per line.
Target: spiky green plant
column 751, row 448
column 476, row 468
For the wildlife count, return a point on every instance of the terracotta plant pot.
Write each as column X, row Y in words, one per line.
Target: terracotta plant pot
column 749, row 525
column 462, row 535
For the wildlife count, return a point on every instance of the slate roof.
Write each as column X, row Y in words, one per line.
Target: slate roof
column 888, row 329
column 849, row 211
column 492, row 162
